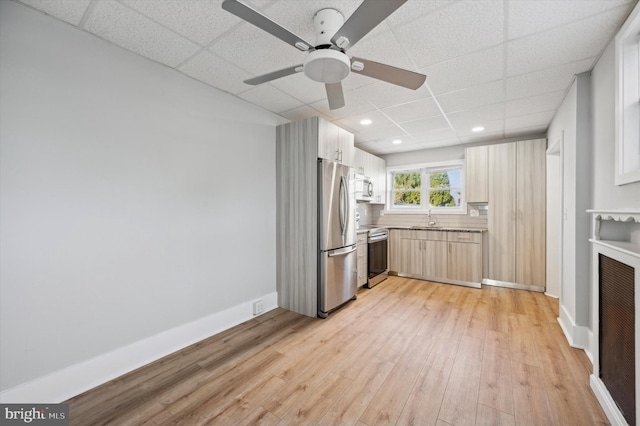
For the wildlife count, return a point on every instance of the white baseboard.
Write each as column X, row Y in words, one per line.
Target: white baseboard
column 71, row 381
column 604, row 398
column 578, row 336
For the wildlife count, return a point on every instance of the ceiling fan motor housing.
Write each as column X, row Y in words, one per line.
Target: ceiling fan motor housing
column 327, row 65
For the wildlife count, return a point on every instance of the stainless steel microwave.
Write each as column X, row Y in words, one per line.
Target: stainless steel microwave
column 364, row 188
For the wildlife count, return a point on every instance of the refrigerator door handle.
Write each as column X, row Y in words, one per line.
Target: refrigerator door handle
column 342, row 251
column 342, row 209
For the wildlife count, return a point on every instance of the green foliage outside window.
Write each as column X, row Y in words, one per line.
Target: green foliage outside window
column 443, row 190
column 442, row 197
column 406, row 189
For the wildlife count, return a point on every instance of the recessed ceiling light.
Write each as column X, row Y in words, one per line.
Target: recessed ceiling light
column 477, row 129
column 396, row 142
column 365, row 122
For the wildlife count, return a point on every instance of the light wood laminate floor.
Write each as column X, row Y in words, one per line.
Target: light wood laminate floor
column 407, row 352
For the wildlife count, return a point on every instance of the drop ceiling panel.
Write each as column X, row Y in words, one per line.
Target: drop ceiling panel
column 355, row 104
column 382, row 47
column 464, row 120
column 255, row 51
column 301, row 113
column 546, row 81
column 437, row 136
column 217, row 72
column 532, row 120
column 68, row 11
column 534, row 104
column 453, row 31
column 300, row 87
column 200, row 21
column 563, row 44
column 378, row 120
column 382, row 133
column 530, row 17
column 441, row 143
column 383, row 94
column 268, row 97
column 414, row 10
column 415, row 110
column 472, row 97
column 465, row 71
column 483, row 137
column 297, row 16
column 123, row 26
column 403, row 147
column 465, row 47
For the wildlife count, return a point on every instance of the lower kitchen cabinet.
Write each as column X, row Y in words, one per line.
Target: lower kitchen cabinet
column 447, row 256
column 362, row 259
column 464, row 262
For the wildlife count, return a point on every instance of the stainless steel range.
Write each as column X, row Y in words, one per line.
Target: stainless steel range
column 377, row 258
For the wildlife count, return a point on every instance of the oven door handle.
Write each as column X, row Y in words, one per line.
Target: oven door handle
column 377, row 238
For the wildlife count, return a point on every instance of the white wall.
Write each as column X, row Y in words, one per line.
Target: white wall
column 605, row 194
column 554, row 217
column 133, row 198
column 571, row 124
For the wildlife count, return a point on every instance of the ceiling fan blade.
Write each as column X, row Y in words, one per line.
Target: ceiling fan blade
column 335, row 95
column 393, row 75
column 274, row 75
column 256, row 18
column 366, row 17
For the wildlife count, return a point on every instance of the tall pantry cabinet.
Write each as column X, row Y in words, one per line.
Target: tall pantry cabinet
column 298, row 147
column 517, row 214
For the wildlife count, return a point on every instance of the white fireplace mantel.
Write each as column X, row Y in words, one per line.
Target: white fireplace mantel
column 615, row 234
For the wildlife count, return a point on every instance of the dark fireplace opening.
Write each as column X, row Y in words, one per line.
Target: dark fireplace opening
column 617, row 334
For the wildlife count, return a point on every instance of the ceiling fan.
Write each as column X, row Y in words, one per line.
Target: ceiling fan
column 326, row 60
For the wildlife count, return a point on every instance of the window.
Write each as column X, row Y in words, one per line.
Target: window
column 427, row 187
column 627, row 128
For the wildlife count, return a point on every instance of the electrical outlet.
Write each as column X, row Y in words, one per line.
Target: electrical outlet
column 258, row 307
column 475, row 213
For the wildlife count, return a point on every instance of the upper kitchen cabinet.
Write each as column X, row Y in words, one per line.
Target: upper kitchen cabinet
column 379, row 180
column 477, row 174
column 335, row 143
column 363, row 162
column 517, row 215
column 374, row 168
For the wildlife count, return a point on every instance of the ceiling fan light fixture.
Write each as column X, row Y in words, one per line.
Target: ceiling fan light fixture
column 327, row 66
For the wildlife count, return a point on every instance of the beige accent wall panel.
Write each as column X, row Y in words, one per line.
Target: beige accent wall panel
column 502, row 205
column 477, row 174
column 297, row 216
column 531, row 213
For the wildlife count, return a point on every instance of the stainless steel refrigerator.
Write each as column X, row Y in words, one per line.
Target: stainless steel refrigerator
column 337, row 275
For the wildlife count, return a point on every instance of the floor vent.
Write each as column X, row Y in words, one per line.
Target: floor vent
column 617, row 334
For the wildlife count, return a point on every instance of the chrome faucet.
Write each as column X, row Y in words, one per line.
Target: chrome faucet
column 432, row 220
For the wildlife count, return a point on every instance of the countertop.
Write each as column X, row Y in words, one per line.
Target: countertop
column 425, row 228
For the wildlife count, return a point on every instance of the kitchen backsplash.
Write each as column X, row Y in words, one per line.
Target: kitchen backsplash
column 370, row 215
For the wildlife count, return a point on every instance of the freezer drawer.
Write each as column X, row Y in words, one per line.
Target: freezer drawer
column 338, row 278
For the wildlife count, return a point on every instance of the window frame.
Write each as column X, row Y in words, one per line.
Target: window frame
column 627, row 103
column 425, row 170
